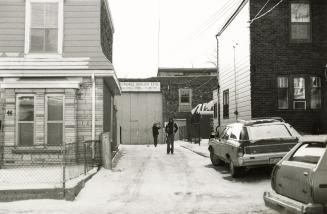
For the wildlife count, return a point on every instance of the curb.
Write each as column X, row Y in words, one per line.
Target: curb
column 196, row 152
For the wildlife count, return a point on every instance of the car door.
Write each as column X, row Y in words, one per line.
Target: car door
column 319, row 180
column 222, row 144
column 293, row 176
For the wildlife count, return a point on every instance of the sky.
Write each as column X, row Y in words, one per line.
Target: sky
column 166, row 33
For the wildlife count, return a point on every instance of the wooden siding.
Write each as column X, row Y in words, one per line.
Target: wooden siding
column 237, row 32
column 82, row 37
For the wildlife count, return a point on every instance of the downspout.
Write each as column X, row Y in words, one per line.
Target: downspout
column 93, row 113
column 218, row 91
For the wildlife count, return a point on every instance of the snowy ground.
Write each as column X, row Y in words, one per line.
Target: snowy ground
column 201, row 149
column 147, row 180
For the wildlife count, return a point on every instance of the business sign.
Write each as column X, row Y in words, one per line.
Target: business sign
column 140, row 86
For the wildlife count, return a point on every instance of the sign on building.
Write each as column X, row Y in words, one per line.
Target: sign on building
column 140, row 86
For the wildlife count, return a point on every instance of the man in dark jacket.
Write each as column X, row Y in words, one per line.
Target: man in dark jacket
column 155, row 132
column 171, row 128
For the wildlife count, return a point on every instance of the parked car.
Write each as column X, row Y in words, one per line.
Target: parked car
column 300, row 179
column 253, row 143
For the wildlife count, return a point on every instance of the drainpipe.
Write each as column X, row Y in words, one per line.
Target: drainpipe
column 93, row 113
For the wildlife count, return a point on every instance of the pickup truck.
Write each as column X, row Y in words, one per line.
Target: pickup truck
column 252, row 143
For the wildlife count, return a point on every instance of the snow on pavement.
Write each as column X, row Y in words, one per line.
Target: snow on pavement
column 147, row 180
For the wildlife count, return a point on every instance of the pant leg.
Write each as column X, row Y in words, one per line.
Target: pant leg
column 172, row 144
column 168, row 144
column 155, row 138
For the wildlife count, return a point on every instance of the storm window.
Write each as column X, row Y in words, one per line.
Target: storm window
column 25, row 120
column 282, row 85
column 54, row 118
column 226, row 104
column 300, row 29
column 315, row 93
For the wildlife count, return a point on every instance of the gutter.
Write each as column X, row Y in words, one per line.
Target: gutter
column 93, row 113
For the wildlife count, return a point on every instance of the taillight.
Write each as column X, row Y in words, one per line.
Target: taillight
column 240, row 151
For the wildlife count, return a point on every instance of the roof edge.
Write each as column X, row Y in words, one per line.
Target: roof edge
column 232, row 17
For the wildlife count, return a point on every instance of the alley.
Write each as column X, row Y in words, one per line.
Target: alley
column 147, row 180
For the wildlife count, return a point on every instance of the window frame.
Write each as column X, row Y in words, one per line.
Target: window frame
column 54, row 122
column 226, row 114
column 288, row 91
column 290, row 22
column 306, row 97
column 28, row 31
column 18, row 122
column 180, row 96
column 310, row 91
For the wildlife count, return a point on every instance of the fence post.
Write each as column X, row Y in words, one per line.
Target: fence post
column 106, row 150
column 64, row 170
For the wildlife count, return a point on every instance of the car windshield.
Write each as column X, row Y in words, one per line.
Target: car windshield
column 309, row 153
column 268, row 131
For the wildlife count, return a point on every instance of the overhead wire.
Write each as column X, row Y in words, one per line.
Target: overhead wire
column 271, row 9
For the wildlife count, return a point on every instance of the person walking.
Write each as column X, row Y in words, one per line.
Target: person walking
column 170, row 129
column 155, row 132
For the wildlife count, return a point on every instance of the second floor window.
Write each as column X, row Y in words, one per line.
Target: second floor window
column 300, row 29
column 44, row 26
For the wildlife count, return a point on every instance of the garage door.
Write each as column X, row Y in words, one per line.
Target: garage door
column 137, row 111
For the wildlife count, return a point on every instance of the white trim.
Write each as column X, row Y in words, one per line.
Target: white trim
column 55, row 122
column 60, row 29
column 43, row 84
column 17, row 118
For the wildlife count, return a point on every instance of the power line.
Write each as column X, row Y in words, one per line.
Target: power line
column 271, row 9
column 261, row 9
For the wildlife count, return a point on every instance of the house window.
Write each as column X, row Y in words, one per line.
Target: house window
column 226, row 104
column 185, row 99
column 54, row 119
column 299, row 101
column 282, row 85
column 315, row 93
column 300, row 29
column 25, row 120
column 44, row 26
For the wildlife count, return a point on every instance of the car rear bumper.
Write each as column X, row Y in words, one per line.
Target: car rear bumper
column 260, row 159
column 287, row 205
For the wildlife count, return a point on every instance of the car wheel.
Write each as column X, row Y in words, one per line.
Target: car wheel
column 214, row 159
column 234, row 171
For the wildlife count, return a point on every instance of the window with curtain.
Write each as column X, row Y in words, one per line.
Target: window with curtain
column 315, row 93
column 282, row 87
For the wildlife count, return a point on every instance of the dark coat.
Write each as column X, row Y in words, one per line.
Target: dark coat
column 171, row 128
column 155, row 130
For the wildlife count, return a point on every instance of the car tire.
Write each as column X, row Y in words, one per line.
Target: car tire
column 214, row 159
column 234, row 171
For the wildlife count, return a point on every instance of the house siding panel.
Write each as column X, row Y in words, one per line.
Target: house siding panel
column 82, row 35
column 237, row 32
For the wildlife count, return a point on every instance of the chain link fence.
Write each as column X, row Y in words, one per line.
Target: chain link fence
column 51, row 167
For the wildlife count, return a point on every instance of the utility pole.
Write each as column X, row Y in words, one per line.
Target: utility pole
column 235, row 87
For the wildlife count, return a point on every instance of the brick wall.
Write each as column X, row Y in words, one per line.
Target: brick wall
column 272, row 54
column 202, row 87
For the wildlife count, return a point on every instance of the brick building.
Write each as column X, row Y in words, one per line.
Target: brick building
column 280, row 56
column 181, row 89
column 57, row 79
